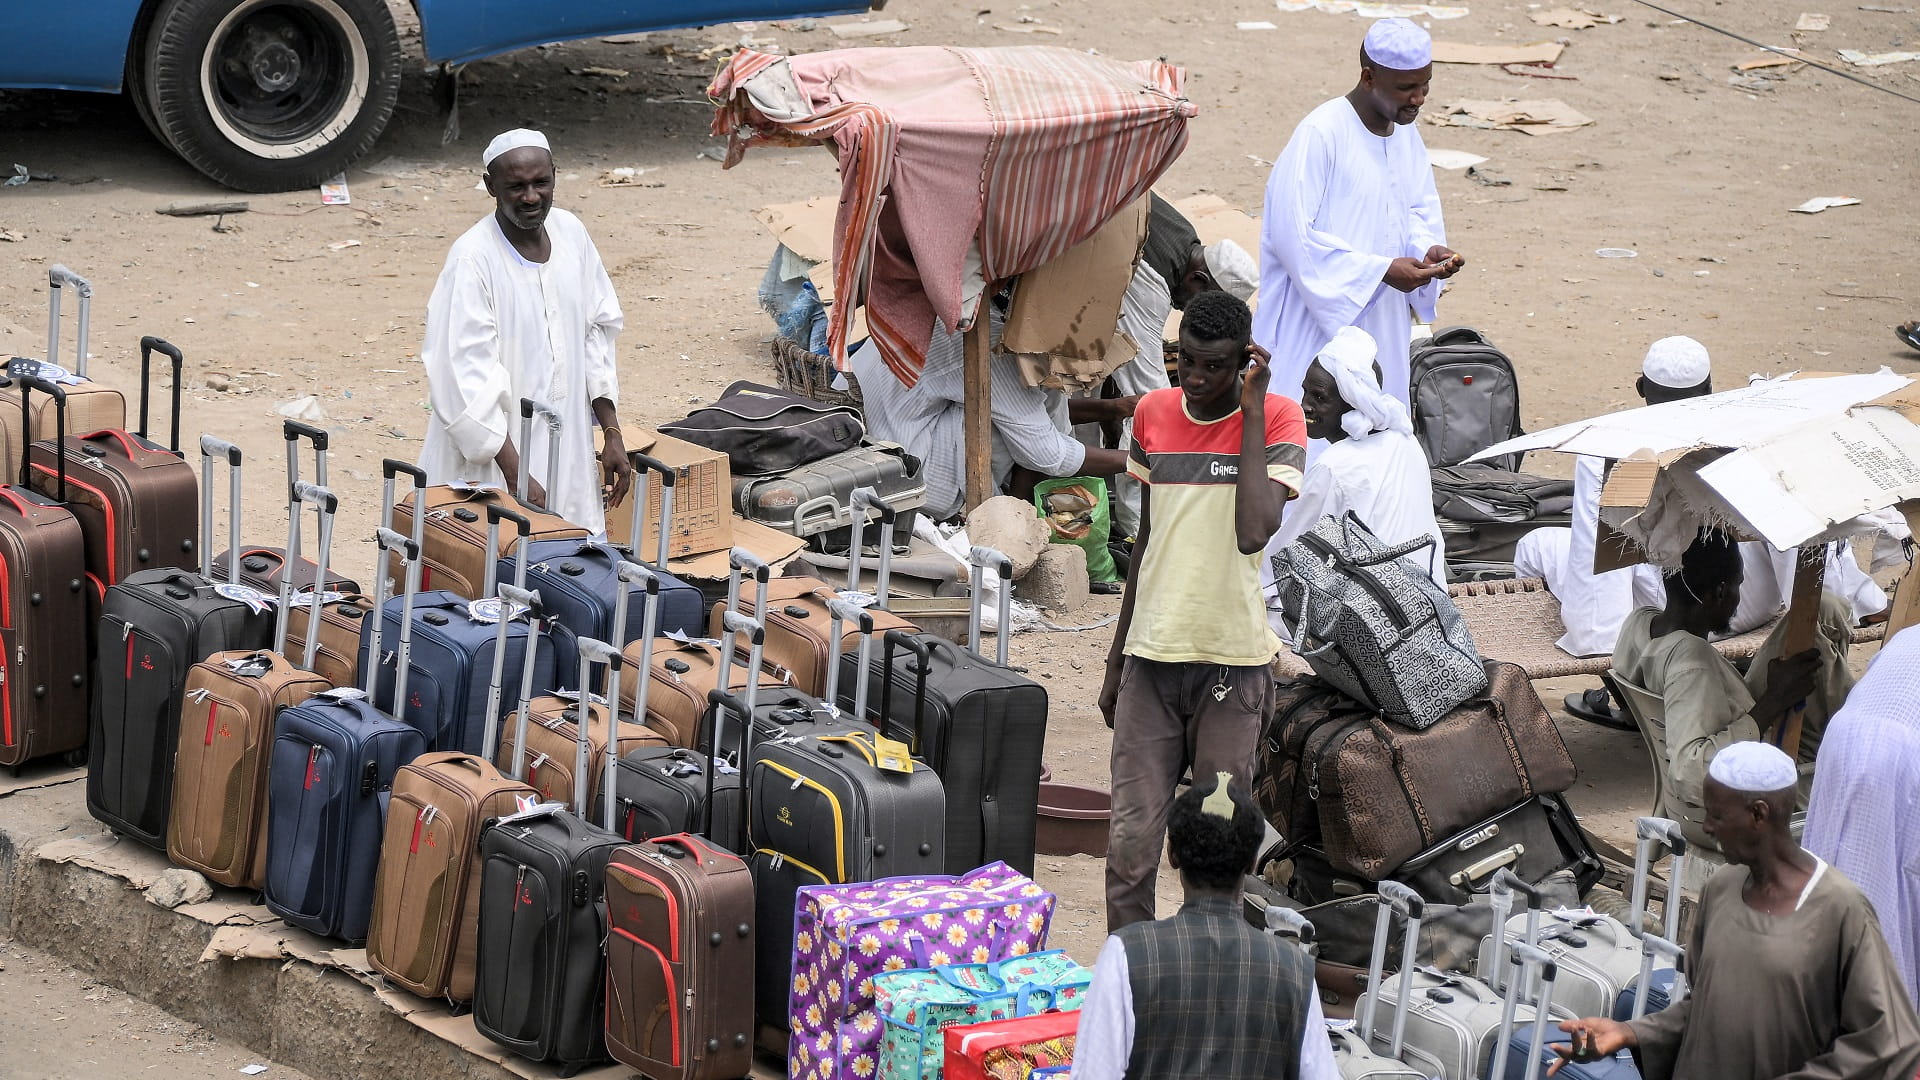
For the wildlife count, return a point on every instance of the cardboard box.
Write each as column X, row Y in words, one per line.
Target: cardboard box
column 702, row 497
column 1064, row 321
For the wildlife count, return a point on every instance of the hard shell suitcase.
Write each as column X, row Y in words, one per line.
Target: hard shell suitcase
column 977, row 722
column 44, row 624
column 453, row 534
column 1447, row 1025
column 154, row 627
column 814, row 501
column 424, row 930
column 91, row 406
column 680, row 951
column 134, row 498
column 1599, row 957
column 542, row 733
column 453, row 648
column 1372, row 794
column 540, row 979
column 329, row 779
column 579, row 582
column 261, row 567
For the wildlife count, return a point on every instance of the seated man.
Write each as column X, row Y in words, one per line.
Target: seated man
column 1788, row 973
column 1592, row 606
column 1708, row 706
column 1203, row 994
column 1864, row 815
column 1030, row 425
column 1372, row 466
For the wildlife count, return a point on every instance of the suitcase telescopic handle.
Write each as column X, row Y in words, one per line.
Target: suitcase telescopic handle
column 59, row 278
column 1505, row 883
column 980, row 559
column 388, row 541
column 631, row 573
column 390, row 468
column 1651, row 946
column 294, row 431
column 511, row 596
column 529, row 408
column 1283, row 918
column 717, row 699
column 1649, row 831
column 522, row 528
column 839, row 614
column 594, row 651
column 148, row 346
column 668, row 478
column 899, row 637
column 1523, row 957
column 59, row 396
column 867, row 504
column 212, row 447
column 299, row 493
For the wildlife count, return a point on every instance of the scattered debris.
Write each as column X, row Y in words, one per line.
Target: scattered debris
column 1617, row 253
column 203, row 209
column 874, row 28
column 602, row 72
column 1538, row 52
column 1824, row 202
column 1453, row 159
column 219, row 381
column 1813, row 20
column 1572, row 18
column 334, row 192
column 1260, row 24
column 342, row 245
column 1886, row 10
column 306, row 407
column 1768, row 59
column 1260, row 161
column 1368, row 10
column 20, row 175
column 1749, row 82
column 627, row 176
column 252, row 1070
column 1024, row 28
column 1535, row 117
column 1851, row 56
column 1474, row 174
column 717, row 153
column 10, row 237
column 625, row 39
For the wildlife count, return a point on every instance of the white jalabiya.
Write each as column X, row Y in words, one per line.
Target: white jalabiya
column 1864, row 817
column 500, row 328
column 1343, row 203
column 1593, row 606
column 1384, row 480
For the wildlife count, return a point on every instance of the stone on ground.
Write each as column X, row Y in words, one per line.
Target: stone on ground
column 177, row 887
column 1058, row 579
column 1012, row 527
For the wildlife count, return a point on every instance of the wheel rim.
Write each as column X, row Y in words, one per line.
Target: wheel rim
column 284, row 78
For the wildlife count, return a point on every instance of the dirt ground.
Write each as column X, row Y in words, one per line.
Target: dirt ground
column 1693, row 173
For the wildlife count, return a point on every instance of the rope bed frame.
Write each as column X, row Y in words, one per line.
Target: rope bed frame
column 1518, row 621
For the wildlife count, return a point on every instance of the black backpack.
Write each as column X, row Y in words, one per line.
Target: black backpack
column 1464, row 398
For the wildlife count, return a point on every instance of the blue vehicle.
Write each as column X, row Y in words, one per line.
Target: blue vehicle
column 273, row 95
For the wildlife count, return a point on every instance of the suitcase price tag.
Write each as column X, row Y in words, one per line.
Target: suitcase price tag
column 253, row 598
column 892, row 755
column 306, row 599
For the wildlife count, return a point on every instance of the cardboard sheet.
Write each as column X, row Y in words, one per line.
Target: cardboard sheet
column 1065, row 314
column 772, row 546
column 1542, row 116
column 1538, row 52
column 806, row 228
column 1821, row 474
column 38, row 774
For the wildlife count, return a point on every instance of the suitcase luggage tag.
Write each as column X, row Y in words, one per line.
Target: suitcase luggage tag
column 891, row 755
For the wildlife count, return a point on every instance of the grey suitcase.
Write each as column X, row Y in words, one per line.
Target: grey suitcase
column 1599, row 957
column 1444, row 1024
column 1354, row 1053
column 815, row 501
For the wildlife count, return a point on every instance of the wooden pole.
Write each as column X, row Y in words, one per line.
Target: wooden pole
column 977, row 386
column 1905, row 610
column 1803, row 621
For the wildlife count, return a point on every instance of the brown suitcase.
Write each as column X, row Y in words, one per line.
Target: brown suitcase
column 683, row 672
column 548, row 728
column 1373, row 794
column 219, row 821
column 680, row 959
column 44, row 628
column 799, row 641
column 136, row 501
column 90, row 406
column 263, row 568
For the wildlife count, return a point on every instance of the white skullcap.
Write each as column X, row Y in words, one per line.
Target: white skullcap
column 1677, row 362
column 1233, row 269
column 1349, row 359
column 513, row 140
column 1754, row 767
column 1399, row 44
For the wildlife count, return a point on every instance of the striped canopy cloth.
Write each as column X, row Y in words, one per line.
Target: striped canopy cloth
column 958, row 166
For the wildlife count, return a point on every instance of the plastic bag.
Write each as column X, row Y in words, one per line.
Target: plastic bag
column 1077, row 512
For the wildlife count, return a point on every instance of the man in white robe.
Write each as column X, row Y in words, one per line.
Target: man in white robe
column 524, row 309
column 1371, row 467
column 1352, row 233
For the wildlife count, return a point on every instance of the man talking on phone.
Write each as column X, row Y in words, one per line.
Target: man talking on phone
column 1187, row 682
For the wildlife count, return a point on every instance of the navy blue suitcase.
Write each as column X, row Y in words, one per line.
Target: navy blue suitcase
column 452, row 642
column 1528, row 1051
column 1659, row 998
column 329, row 777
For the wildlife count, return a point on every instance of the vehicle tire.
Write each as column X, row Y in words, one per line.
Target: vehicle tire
column 137, row 96
column 271, row 95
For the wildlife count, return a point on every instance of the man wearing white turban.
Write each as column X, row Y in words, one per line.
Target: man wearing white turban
column 1372, row 467
column 524, row 309
column 1352, row 233
column 1788, row 973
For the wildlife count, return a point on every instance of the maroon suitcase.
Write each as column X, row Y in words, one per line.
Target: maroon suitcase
column 135, row 500
column 43, row 624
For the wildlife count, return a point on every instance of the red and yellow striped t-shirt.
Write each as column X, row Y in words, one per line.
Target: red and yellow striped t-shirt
column 1199, row 598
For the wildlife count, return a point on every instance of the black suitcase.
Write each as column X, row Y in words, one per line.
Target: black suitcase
column 980, row 725
column 154, row 626
column 263, row 567
column 1534, row 839
column 540, row 976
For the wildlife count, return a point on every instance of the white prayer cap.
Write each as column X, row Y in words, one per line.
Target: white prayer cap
column 513, row 140
column 1399, row 44
column 1233, row 269
column 1753, row 767
column 1349, row 359
column 1677, row 362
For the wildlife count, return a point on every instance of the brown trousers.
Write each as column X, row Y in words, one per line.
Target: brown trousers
column 1168, row 719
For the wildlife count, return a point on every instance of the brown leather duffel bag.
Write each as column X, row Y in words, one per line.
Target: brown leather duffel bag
column 1372, row 794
